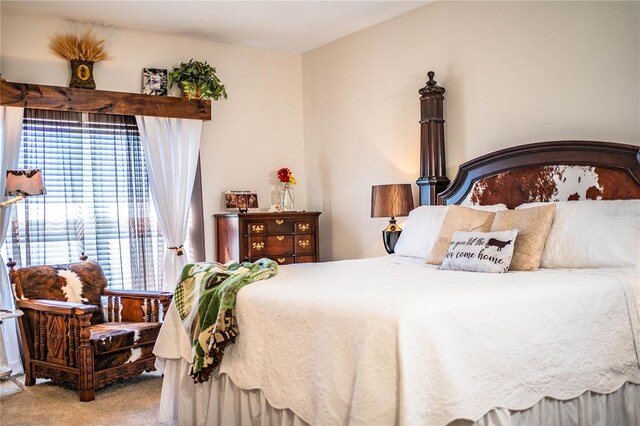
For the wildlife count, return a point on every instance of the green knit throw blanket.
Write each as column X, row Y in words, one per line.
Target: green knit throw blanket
column 206, row 299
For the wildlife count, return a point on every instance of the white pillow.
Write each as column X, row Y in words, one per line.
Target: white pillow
column 593, row 234
column 480, row 251
column 423, row 226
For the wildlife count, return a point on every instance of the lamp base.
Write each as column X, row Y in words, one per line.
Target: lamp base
column 390, row 235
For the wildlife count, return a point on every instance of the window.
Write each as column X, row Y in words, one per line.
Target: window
column 98, row 200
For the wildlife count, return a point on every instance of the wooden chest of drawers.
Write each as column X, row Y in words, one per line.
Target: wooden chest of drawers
column 290, row 237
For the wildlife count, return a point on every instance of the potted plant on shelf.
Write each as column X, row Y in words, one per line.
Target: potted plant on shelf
column 198, row 80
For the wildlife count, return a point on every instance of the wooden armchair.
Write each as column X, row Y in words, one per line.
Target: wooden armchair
column 65, row 336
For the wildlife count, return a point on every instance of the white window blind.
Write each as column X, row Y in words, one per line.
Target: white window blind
column 97, row 202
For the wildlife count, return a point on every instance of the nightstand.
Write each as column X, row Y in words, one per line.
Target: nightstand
column 288, row 237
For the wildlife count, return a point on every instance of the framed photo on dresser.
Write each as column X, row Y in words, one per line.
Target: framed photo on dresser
column 242, row 201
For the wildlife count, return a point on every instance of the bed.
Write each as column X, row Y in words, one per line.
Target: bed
column 393, row 340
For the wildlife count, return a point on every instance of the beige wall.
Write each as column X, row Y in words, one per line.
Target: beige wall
column 514, row 72
column 256, row 131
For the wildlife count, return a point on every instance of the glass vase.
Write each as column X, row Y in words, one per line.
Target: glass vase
column 287, row 198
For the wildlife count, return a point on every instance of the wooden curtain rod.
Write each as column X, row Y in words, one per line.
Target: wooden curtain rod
column 39, row 96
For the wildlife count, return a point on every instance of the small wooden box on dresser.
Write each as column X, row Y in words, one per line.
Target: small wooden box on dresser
column 288, row 237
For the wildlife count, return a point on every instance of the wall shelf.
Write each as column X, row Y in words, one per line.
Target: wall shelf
column 39, row 96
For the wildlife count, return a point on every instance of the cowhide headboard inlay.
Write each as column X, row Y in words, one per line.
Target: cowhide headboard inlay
column 548, row 171
column 553, row 183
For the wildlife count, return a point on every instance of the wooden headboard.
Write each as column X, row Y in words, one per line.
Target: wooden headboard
column 548, row 171
column 545, row 171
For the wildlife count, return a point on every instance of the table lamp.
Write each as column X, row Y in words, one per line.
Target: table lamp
column 21, row 184
column 391, row 201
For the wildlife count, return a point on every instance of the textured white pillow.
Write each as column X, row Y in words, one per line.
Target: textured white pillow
column 480, row 251
column 593, row 234
column 423, row 226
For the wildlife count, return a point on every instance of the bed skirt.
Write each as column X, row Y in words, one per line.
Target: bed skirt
column 221, row 402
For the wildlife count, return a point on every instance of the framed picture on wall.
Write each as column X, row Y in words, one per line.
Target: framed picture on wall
column 243, row 201
column 154, row 81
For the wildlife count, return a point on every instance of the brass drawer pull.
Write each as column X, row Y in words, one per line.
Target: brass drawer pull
column 258, row 246
column 303, row 243
column 257, row 228
column 279, row 221
column 281, row 259
column 280, row 237
column 303, row 227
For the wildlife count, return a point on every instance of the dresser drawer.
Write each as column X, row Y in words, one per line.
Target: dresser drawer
column 256, row 228
column 279, row 226
column 278, row 245
column 284, row 260
column 305, row 244
column 304, row 227
column 305, row 259
column 256, row 247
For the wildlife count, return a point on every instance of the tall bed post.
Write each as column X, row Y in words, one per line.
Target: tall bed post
column 433, row 167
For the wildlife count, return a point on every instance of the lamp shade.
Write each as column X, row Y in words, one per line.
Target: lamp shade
column 24, row 182
column 391, row 200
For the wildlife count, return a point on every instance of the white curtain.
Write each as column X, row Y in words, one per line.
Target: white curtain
column 171, row 147
column 10, row 135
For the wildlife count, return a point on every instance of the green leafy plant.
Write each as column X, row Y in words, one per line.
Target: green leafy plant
column 198, row 80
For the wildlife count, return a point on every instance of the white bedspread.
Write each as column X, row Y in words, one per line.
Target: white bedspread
column 394, row 341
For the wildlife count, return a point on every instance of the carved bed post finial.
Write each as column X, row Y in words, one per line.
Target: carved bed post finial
column 431, row 81
column 433, row 167
column 11, row 264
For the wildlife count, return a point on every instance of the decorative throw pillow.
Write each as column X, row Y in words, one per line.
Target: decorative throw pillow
column 422, row 227
column 480, row 251
column 458, row 218
column 533, row 226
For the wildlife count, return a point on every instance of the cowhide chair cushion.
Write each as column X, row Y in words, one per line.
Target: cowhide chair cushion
column 74, row 282
column 117, row 343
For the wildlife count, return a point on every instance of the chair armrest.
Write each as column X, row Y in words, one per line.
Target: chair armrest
column 56, row 307
column 57, row 332
column 138, row 294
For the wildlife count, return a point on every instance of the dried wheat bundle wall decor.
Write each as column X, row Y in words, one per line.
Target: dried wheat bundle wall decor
column 82, row 51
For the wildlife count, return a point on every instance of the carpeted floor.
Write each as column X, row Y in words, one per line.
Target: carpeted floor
column 131, row 402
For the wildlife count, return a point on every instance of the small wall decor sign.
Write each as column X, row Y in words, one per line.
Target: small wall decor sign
column 154, row 81
column 241, row 200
